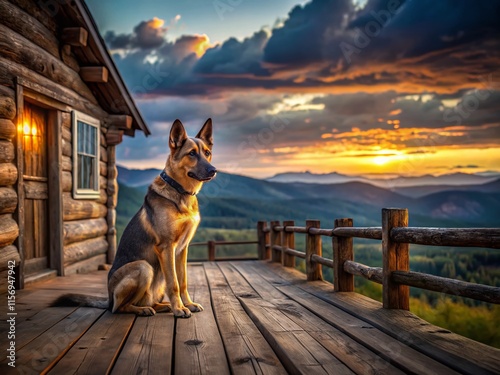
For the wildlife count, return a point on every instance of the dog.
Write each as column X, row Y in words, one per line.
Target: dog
column 151, row 260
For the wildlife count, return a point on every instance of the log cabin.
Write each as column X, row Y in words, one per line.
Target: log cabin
column 63, row 109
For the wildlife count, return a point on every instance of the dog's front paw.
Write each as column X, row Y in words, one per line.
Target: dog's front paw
column 145, row 311
column 182, row 312
column 194, row 307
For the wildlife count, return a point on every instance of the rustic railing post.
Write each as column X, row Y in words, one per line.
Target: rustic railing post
column 395, row 257
column 288, row 241
column 342, row 251
column 264, row 252
column 313, row 246
column 211, row 250
column 275, row 240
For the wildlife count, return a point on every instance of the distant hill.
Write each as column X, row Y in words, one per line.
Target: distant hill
column 136, row 177
column 454, row 179
column 235, row 202
column 421, row 191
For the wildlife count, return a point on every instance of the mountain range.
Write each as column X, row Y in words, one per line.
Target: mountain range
column 233, row 201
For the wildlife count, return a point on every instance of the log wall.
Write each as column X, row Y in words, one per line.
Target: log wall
column 31, row 51
column 9, row 229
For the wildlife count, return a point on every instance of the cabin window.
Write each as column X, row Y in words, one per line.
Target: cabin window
column 86, row 131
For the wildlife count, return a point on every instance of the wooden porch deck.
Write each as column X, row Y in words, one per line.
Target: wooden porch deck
column 259, row 318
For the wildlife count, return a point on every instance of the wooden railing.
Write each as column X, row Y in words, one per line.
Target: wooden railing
column 277, row 242
column 211, row 250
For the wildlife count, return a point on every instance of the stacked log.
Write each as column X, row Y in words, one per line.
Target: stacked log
column 33, row 55
column 9, row 229
column 85, row 220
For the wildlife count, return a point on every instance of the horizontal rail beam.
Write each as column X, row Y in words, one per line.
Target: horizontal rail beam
column 295, row 229
column 463, row 237
column 223, row 259
column 370, row 273
column 321, row 232
column 374, row 233
column 224, row 243
column 297, row 253
column 323, row 261
column 478, row 292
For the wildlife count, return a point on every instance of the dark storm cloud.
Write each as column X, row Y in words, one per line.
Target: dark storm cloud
column 146, row 35
column 304, row 35
column 235, row 57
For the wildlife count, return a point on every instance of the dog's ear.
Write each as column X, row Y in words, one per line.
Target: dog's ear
column 178, row 135
column 205, row 134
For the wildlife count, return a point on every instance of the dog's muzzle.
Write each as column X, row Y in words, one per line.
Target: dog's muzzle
column 210, row 173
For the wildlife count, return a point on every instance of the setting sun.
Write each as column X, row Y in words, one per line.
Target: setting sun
column 380, row 160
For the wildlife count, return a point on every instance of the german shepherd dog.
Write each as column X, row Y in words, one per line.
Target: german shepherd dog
column 151, row 260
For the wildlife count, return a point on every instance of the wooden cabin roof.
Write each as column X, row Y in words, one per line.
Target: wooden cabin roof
column 113, row 96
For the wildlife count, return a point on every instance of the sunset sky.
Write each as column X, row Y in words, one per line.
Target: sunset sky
column 357, row 87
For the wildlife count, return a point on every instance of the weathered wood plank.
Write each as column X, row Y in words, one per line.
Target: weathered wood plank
column 478, row 292
column 80, row 230
column 349, row 350
column 374, row 233
column 287, row 259
column 298, row 351
column 395, row 256
column 78, row 251
column 67, row 181
column 8, row 105
column 342, row 251
column 96, row 351
column 8, row 253
column 95, row 74
column 85, row 266
column 29, row 27
column 67, row 163
column 44, row 12
column 452, row 350
column 370, row 273
column 11, row 71
column 464, row 237
column 40, row 353
column 313, row 246
column 384, row 346
column 81, row 209
column 8, row 200
column 39, row 323
column 6, row 151
column 22, row 51
column 75, row 36
column 198, row 345
column 7, row 129
column 247, row 350
column 35, row 190
column 149, row 346
column 8, row 230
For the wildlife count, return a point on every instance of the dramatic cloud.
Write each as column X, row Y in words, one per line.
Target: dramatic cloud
column 147, row 35
column 390, row 80
column 234, row 57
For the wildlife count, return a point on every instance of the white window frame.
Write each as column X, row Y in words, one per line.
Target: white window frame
column 85, row 193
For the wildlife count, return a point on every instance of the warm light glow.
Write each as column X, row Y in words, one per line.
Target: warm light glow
column 156, row 23
column 380, row 160
column 202, row 45
column 26, row 129
column 33, row 131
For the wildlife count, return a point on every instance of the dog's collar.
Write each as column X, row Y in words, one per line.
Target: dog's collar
column 169, row 180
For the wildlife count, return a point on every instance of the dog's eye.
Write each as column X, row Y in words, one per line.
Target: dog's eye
column 192, row 153
column 207, row 153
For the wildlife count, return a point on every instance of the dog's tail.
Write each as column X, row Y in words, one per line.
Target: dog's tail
column 81, row 300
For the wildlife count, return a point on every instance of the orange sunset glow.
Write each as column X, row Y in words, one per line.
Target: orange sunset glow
column 318, row 91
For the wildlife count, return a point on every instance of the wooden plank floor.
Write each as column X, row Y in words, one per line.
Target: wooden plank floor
column 259, row 318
